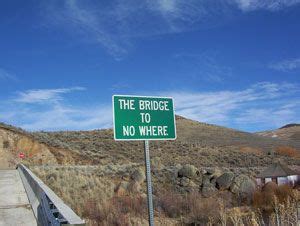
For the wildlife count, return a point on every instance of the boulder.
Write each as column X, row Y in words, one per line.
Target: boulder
column 224, row 181
column 208, row 190
column 213, row 181
column 184, row 182
column 188, row 171
column 206, row 179
column 243, row 185
column 214, row 172
column 138, row 176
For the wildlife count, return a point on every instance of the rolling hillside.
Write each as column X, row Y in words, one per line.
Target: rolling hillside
column 197, row 143
column 288, row 132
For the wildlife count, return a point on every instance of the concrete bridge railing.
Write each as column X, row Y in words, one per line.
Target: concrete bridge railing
column 48, row 208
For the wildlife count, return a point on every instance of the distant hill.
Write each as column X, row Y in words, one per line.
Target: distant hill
column 288, row 132
column 290, row 125
column 197, row 143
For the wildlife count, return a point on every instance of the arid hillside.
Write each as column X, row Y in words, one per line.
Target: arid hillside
column 287, row 132
column 14, row 141
column 207, row 169
column 198, row 143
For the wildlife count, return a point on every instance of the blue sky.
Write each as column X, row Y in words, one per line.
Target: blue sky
column 234, row 63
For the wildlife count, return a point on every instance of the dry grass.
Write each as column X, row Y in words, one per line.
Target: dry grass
column 287, row 151
column 115, row 211
column 90, row 192
column 278, row 204
column 263, row 199
column 76, row 185
column 199, row 144
column 250, row 150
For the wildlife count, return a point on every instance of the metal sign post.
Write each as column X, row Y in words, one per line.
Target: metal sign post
column 298, row 213
column 149, row 184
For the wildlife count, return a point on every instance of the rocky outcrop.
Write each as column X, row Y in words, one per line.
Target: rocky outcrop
column 243, row 186
column 188, row 171
column 189, row 178
column 208, row 190
column 133, row 186
column 224, row 181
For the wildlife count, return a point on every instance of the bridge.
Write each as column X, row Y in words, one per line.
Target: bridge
column 26, row 201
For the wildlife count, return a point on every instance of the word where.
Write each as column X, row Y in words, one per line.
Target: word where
column 146, row 130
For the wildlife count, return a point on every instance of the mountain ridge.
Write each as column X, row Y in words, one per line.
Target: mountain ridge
column 197, row 143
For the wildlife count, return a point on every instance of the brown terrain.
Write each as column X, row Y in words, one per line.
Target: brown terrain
column 197, row 143
column 206, row 174
column 15, row 140
column 287, row 132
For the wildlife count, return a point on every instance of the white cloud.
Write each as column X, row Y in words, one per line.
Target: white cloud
column 286, row 65
column 49, row 109
column 276, row 116
column 272, row 5
column 262, row 105
column 60, row 117
column 44, row 95
column 117, row 23
column 267, row 104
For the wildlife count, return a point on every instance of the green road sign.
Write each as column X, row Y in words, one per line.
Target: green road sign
column 143, row 118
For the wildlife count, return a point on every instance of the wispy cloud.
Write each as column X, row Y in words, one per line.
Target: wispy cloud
column 258, row 107
column 42, row 95
column 61, row 117
column 243, row 108
column 116, row 24
column 5, row 75
column 272, row 5
column 286, row 65
column 273, row 116
column 49, row 109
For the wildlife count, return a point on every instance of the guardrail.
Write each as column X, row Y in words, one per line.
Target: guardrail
column 48, row 208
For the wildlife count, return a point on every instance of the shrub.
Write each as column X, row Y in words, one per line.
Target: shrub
column 201, row 210
column 5, row 144
column 250, row 150
column 135, row 205
column 267, row 199
column 172, row 204
column 104, row 214
column 287, row 151
column 196, row 209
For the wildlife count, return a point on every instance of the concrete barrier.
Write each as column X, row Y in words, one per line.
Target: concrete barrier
column 48, row 208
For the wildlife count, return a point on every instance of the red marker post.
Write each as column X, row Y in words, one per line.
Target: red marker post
column 21, row 155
